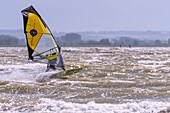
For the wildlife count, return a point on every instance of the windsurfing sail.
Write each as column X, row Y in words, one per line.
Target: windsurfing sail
column 42, row 46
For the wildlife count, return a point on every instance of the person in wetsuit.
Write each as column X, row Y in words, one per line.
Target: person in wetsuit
column 51, row 64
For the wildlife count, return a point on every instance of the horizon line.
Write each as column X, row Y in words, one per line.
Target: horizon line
column 94, row 30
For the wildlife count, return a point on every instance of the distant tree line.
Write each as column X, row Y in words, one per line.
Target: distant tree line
column 126, row 41
column 75, row 40
column 7, row 40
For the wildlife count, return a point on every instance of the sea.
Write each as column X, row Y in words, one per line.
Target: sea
column 112, row 80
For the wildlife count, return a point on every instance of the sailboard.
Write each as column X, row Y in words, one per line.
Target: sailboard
column 42, row 46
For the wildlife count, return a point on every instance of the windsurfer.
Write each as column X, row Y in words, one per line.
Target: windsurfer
column 41, row 43
column 51, row 64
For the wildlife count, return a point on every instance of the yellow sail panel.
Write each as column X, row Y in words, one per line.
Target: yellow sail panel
column 37, row 28
column 35, row 23
column 33, row 41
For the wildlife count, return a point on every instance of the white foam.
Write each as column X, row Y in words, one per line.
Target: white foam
column 24, row 72
column 45, row 76
column 45, row 105
column 49, row 105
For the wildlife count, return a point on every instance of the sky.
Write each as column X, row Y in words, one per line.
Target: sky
column 91, row 15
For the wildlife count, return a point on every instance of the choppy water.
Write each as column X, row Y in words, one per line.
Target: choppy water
column 113, row 80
